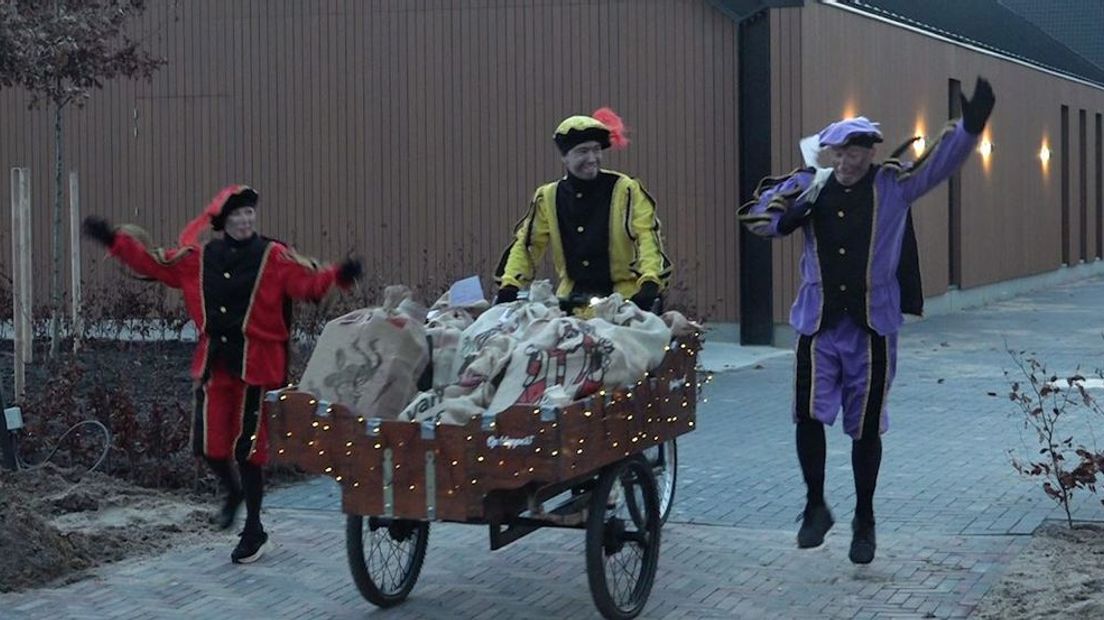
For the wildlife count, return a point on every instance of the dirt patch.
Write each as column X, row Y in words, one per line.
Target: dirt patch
column 148, row 494
column 1059, row 575
column 55, row 524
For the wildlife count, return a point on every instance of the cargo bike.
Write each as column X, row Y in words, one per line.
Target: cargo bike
column 591, row 465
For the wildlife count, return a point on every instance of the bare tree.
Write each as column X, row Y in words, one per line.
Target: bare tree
column 59, row 51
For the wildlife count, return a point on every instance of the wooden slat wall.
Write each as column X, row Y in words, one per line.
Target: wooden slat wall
column 412, row 131
column 1010, row 208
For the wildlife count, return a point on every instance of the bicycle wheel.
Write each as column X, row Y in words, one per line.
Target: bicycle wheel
column 386, row 557
column 622, row 544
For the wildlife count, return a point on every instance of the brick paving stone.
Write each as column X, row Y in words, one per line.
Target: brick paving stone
column 952, row 514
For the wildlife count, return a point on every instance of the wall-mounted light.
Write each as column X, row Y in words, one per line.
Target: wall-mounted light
column 1044, row 154
column 985, row 148
column 850, row 108
column 919, row 145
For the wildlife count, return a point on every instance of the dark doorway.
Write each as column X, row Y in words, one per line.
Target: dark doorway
column 954, row 198
column 756, row 286
column 1099, row 188
column 1083, row 185
column 1065, row 187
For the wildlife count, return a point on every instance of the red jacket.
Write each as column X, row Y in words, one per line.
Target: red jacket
column 236, row 292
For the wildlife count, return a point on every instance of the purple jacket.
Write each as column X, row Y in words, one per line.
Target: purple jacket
column 896, row 186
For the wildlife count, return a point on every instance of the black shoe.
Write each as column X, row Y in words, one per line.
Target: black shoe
column 815, row 523
column 224, row 518
column 862, row 541
column 250, row 548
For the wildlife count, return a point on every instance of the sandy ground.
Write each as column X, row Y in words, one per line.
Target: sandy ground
column 1059, row 575
column 56, row 524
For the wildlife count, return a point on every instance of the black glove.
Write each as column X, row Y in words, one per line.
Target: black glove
column 793, row 218
column 976, row 111
column 350, row 270
column 646, row 297
column 99, row 229
column 506, row 294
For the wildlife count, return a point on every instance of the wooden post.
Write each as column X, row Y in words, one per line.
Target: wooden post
column 17, row 281
column 75, row 255
column 21, row 275
column 26, row 221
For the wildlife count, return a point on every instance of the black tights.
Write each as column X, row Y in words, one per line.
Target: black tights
column 251, row 486
column 866, row 459
column 811, row 451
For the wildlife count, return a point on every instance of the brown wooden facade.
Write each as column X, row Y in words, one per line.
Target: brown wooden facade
column 829, row 62
column 414, row 131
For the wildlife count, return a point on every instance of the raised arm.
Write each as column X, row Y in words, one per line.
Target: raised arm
column 131, row 245
column 953, row 146
column 305, row 278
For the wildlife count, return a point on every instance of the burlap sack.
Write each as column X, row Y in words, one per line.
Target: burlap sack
column 472, row 390
column 527, row 353
column 444, row 330
column 612, row 350
column 453, row 404
column 679, row 324
column 639, row 339
column 468, row 353
column 370, row 359
column 480, row 345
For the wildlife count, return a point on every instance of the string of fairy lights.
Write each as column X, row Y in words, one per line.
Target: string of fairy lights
column 610, row 405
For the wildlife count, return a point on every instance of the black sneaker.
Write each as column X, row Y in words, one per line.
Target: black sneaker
column 862, row 541
column 224, row 518
column 250, row 548
column 815, row 523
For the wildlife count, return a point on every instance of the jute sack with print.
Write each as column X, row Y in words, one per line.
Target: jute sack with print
column 486, row 344
column 579, row 358
column 468, row 395
column 480, row 355
column 370, row 359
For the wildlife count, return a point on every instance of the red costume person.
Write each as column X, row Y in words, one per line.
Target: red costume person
column 237, row 289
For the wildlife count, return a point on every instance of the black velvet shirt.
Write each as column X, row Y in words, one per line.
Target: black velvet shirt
column 583, row 214
column 230, row 271
column 842, row 222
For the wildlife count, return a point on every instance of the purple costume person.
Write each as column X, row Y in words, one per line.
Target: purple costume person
column 848, row 310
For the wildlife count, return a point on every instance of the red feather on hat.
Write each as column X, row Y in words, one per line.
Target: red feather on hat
column 611, row 120
column 191, row 232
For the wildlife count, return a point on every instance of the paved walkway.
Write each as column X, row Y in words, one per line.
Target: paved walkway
column 951, row 511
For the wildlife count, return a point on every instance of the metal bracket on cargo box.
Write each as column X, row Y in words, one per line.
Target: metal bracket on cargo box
column 372, row 426
column 322, row 409
column 388, row 486
column 549, row 413
column 429, row 429
column 431, row 484
column 273, row 395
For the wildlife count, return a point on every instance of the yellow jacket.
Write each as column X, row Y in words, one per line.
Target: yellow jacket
column 635, row 241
